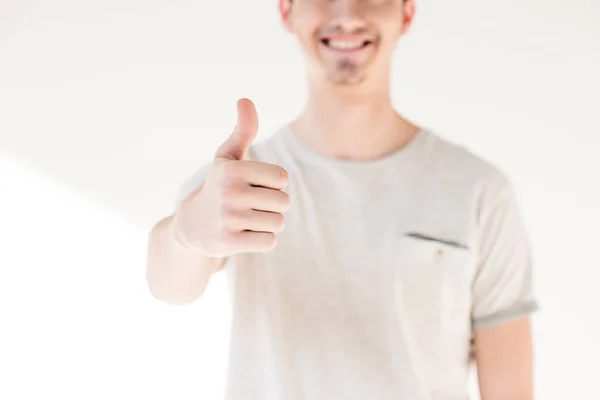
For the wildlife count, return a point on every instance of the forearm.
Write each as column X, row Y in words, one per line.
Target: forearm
column 174, row 273
column 505, row 361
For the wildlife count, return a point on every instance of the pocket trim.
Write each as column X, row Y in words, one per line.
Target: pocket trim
column 451, row 243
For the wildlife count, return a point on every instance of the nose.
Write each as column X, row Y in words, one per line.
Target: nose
column 348, row 15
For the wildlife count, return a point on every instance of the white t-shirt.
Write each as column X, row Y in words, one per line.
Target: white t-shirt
column 382, row 274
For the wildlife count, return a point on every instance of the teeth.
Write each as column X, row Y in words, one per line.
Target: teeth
column 342, row 45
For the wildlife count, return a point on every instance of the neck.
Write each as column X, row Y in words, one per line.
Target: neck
column 352, row 123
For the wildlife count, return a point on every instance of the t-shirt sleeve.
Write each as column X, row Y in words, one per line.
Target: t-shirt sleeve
column 503, row 285
column 191, row 184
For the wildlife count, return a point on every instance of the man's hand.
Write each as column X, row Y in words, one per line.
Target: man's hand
column 240, row 205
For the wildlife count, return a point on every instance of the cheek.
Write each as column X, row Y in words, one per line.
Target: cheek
column 308, row 16
column 391, row 27
column 304, row 28
column 388, row 18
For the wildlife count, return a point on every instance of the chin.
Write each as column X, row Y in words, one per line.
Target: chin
column 347, row 72
column 340, row 79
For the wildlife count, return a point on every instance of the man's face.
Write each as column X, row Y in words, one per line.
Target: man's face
column 347, row 40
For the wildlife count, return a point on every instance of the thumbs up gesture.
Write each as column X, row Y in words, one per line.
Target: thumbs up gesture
column 240, row 206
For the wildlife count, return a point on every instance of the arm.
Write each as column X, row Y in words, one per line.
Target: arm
column 503, row 298
column 178, row 273
column 175, row 273
column 230, row 206
column 505, row 361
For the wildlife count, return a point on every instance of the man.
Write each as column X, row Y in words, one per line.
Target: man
column 398, row 246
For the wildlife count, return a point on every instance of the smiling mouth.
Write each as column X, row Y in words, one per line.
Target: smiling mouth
column 346, row 45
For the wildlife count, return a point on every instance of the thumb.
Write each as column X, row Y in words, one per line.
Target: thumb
column 236, row 146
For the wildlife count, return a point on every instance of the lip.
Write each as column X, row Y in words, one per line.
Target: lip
column 364, row 42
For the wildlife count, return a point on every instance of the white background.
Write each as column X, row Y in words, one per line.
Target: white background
column 107, row 106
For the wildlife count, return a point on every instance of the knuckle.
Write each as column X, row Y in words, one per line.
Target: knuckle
column 223, row 213
column 228, row 218
column 228, row 193
column 227, row 239
column 230, row 171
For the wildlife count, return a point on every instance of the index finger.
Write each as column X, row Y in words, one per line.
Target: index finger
column 264, row 174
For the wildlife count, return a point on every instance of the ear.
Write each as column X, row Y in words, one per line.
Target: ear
column 285, row 7
column 409, row 15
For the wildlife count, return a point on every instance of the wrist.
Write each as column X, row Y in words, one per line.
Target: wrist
column 174, row 233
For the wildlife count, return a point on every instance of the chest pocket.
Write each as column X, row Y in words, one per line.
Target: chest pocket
column 432, row 280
